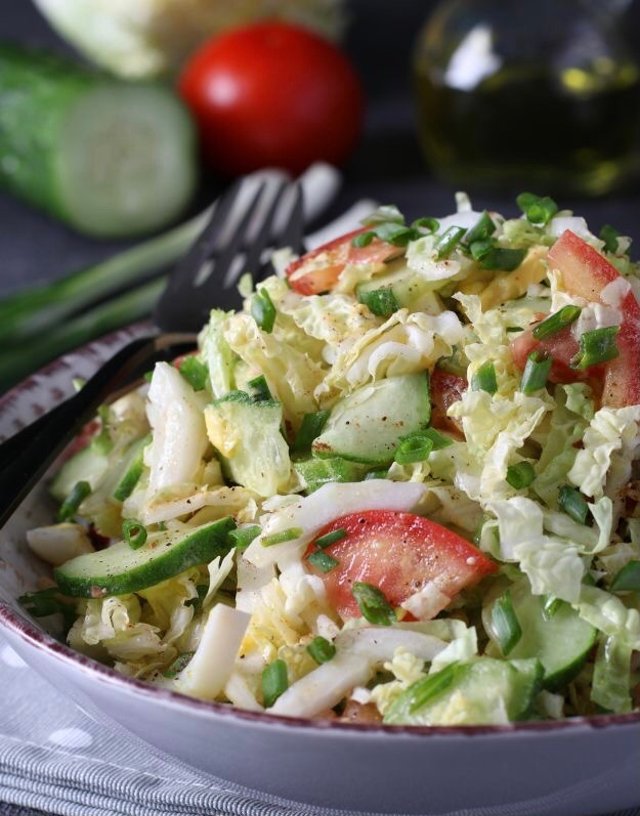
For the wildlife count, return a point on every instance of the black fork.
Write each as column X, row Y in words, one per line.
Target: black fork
column 206, row 277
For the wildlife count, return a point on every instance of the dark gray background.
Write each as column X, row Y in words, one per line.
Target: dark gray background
column 387, row 166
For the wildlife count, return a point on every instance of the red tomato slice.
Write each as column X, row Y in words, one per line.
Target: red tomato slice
column 585, row 273
column 445, row 390
column 399, row 553
column 318, row 271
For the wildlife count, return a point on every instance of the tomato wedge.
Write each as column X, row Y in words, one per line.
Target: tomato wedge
column 401, row 554
column 318, row 271
column 585, row 273
column 445, row 389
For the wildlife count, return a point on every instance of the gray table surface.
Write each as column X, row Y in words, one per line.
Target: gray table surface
column 388, row 165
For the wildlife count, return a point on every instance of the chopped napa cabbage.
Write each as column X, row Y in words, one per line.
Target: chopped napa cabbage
column 610, row 444
column 293, row 375
column 211, row 666
column 59, row 543
column 609, row 614
column 404, row 344
column 179, row 434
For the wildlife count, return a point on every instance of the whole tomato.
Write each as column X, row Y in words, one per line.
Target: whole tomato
column 272, row 94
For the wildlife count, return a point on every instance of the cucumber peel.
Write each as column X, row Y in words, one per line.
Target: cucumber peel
column 120, row 570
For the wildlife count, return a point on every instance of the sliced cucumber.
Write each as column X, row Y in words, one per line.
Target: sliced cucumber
column 410, row 290
column 317, row 472
column 119, row 569
column 111, row 158
column 247, row 434
column 561, row 642
column 479, row 692
column 367, row 425
column 88, row 465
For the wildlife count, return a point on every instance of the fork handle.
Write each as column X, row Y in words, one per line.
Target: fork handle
column 25, row 461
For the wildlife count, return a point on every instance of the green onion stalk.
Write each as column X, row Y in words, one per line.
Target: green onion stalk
column 51, row 319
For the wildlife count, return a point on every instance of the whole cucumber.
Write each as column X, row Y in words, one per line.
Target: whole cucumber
column 110, row 158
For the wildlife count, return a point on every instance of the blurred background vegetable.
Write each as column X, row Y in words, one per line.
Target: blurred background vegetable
column 108, row 157
column 272, row 95
column 146, row 38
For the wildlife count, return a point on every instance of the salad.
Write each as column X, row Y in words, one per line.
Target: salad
column 399, row 485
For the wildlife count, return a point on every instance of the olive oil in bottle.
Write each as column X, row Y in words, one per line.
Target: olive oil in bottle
column 521, row 95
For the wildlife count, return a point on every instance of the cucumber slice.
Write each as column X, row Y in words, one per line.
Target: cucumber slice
column 561, row 642
column 119, row 570
column 247, row 434
column 410, row 290
column 88, row 465
column 479, row 692
column 367, row 425
column 317, row 472
column 111, row 158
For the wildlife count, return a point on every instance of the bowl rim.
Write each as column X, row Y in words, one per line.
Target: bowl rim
column 22, row 626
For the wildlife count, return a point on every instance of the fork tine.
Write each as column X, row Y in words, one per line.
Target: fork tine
column 188, row 267
column 290, row 235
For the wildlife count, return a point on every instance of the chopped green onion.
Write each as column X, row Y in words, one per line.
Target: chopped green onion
column 259, row 388
column 536, row 372
column 430, row 224
column 550, row 606
column 372, row 603
column 382, row 302
column 413, row 448
column 275, row 681
column 505, row 623
column 43, row 603
column 597, row 346
column 556, row 322
column 330, row 538
column 491, row 256
column 178, row 665
column 573, row 503
column 396, row 234
column 363, row 239
column 243, row 536
column 73, row 501
column 438, row 440
column 310, row 428
column 610, row 236
column 289, row 534
column 322, row 561
column 427, row 689
column 484, row 379
column 321, row 649
column 195, row 372
column 538, row 210
column 448, row 241
column 128, row 483
column 481, row 230
column 134, row 533
column 263, row 310
column 628, row 578
column 521, row 475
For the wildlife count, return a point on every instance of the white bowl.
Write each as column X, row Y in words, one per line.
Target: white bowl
column 571, row 768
